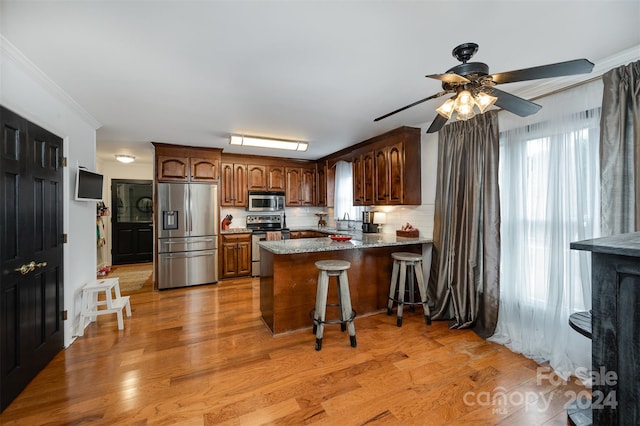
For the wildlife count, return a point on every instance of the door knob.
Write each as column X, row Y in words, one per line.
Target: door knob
column 41, row 264
column 26, row 268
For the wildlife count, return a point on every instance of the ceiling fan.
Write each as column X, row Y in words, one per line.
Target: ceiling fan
column 474, row 88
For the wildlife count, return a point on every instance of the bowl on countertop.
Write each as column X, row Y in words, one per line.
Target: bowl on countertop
column 337, row 237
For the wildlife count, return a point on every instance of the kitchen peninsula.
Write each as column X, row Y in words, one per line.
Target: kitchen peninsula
column 288, row 274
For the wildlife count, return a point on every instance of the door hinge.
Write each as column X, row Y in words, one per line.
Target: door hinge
column 65, row 238
column 64, row 315
column 64, row 161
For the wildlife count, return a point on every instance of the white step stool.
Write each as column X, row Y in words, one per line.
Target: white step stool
column 113, row 303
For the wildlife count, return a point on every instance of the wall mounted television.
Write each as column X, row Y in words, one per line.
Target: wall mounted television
column 88, row 185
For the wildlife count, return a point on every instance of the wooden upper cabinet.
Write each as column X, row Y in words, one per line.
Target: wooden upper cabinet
column 358, row 181
column 275, row 178
column 177, row 163
column 321, row 192
column 256, row 177
column 386, row 169
column 389, row 163
column 234, row 185
column 308, row 187
column 172, row 168
column 293, row 191
column 204, row 169
column 381, row 187
column 301, row 186
column 368, row 181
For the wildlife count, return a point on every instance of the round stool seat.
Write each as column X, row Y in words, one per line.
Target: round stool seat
column 406, row 256
column 333, row 265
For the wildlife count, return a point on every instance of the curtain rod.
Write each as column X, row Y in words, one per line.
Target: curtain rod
column 569, row 87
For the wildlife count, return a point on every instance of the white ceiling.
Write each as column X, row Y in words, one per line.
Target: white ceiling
column 193, row 72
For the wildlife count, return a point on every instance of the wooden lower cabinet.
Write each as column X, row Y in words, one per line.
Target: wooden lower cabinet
column 294, row 235
column 235, row 255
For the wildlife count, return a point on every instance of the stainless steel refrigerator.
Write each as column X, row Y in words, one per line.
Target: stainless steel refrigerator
column 187, row 223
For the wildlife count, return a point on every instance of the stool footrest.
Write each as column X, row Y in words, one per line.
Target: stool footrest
column 332, row 321
column 401, row 302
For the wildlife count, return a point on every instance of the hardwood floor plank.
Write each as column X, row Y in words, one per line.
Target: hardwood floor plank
column 203, row 356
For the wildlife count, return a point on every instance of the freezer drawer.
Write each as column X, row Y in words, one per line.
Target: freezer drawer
column 187, row 268
column 172, row 245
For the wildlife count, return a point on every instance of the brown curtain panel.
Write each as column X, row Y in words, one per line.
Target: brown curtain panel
column 465, row 271
column 620, row 150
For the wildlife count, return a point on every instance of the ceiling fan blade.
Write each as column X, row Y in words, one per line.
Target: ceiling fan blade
column 512, row 103
column 449, row 78
column 577, row 66
column 437, row 123
column 437, row 95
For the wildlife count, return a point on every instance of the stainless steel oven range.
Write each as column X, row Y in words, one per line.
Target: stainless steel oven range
column 259, row 225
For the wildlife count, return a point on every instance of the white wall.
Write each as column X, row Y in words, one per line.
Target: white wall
column 115, row 170
column 29, row 93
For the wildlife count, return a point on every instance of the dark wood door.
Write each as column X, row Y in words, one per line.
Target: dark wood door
column 31, row 252
column 132, row 221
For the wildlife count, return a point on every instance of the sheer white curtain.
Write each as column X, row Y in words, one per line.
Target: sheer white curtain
column 549, row 192
column 343, row 196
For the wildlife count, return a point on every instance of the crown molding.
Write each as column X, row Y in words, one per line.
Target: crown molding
column 539, row 89
column 13, row 54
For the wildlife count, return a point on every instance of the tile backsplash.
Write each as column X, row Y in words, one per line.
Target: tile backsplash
column 420, row 217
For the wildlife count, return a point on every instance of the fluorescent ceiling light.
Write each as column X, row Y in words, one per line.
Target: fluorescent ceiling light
column 268, row 143
column 125, row 158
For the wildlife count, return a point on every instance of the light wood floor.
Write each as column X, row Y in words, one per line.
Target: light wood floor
column 202, row 356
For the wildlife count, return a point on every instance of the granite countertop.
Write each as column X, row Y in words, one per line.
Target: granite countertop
column 236, row 231
column 621, row 244
column 359, row 241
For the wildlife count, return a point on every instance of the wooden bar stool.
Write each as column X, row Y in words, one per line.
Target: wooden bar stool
column 338, row 269
column 407, row 264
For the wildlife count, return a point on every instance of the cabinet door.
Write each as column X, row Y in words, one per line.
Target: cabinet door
column 368, row 180
column 358, row 181
column 276, row 179
column 244, row 257
column 229, row 258
column 321, row 195
column 227, row 195
column 308, row 187
column 381, row 188
column 293, row 195
column 234, row 185
column 240, row 185
column 395, row 163
column 204, row 170
column 256, row 178
column 172, row 168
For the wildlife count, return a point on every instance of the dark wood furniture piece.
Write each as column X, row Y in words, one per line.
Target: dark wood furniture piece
column 235, row 255
column 288, row 283
column 615, row 328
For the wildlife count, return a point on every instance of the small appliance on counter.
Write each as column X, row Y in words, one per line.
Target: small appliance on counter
column 369, row 225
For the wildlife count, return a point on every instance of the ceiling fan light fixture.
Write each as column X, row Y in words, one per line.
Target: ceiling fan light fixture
column 126, row 159
column 462, row 116
column 464, row 101
column 260, row 142
column 447, row 108
column 484, row 101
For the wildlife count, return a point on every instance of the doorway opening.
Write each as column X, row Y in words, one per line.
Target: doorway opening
column 132, row 221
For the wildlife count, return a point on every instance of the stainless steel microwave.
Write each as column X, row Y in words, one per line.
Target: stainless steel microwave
column 262, row 201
